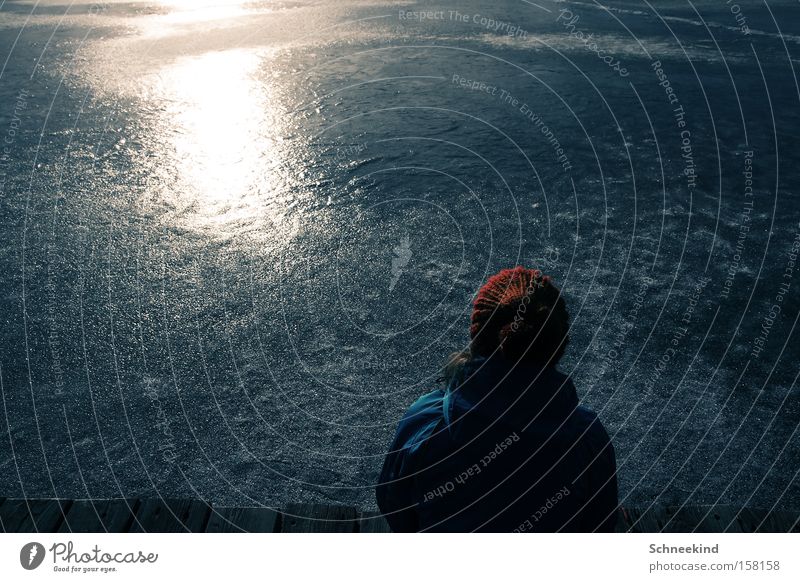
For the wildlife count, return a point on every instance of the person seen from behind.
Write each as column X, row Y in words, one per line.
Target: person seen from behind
column 505, row 446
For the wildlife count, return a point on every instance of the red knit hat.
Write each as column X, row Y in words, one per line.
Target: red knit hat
column 520, row 313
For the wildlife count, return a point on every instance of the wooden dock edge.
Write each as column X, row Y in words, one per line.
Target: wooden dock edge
column 194, row 515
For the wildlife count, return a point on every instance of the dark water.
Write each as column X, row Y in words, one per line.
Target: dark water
column 239, row 239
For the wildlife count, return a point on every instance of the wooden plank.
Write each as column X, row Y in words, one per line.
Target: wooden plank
column 698, row 519
column 647, row 520
column 312, row 517
column 795, row 522
column 749, row 518
column 98, row 516
column 710, row 519
column 36, row 515
column 623, row 521
column 373, row 522
column 719, row 519
column 780, row 522
column 14, row 512
column 242, row 519
column 724, row 518
column 768, row 521
column 171, row 516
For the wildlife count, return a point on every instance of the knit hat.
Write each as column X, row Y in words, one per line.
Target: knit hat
column 520, row 314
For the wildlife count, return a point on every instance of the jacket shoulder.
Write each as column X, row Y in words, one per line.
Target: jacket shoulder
column 588, row 422
column 420, row 419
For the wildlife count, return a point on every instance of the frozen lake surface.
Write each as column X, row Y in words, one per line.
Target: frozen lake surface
column 240, row 238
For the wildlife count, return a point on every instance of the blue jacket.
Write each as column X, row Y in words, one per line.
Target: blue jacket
column 500, row 449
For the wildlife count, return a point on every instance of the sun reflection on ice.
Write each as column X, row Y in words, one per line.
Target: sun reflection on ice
column 223, row 125
column 198, row 11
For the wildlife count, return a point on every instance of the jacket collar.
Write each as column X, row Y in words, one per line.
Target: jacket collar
column 496, row 390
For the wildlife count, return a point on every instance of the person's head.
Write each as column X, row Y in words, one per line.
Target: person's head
column 520, row 315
